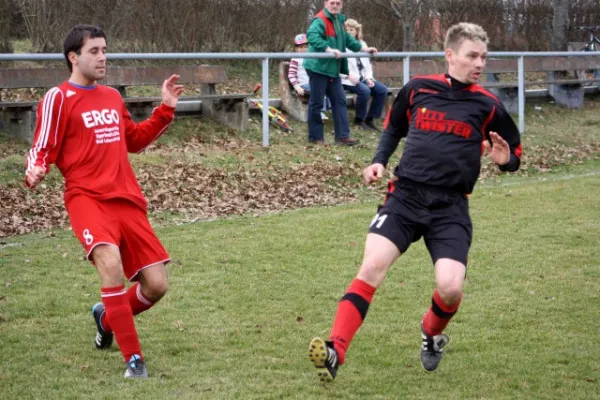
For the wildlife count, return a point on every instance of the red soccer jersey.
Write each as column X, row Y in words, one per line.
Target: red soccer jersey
column 87, row 132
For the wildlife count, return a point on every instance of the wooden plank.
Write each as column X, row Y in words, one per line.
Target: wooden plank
column 19, row 104
column 387, row 69
column 137, row 76
column 14, row 78
column 394, row 69
column 562, row 63
column 533, row 83
column 241, row 96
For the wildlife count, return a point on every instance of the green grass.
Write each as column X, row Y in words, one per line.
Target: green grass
column 247, row 294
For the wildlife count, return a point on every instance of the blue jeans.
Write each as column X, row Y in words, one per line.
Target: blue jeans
column 363, row 92
column 321, row 85
column 326, row 103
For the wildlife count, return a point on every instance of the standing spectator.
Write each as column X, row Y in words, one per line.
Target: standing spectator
column 297, row 73
column 326, row 34
column 85, row 129
column 360, row 81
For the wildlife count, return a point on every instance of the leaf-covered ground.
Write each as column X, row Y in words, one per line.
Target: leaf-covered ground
column 200, row 170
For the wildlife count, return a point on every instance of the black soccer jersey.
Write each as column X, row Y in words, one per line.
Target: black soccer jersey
column 445, row 123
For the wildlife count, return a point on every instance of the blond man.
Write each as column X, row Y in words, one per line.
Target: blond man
column 448, row 121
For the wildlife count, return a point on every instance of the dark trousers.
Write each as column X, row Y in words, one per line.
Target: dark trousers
column 363, row 92
column 321, row 85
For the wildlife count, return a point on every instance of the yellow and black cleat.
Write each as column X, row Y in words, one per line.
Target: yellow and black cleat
column 324, row 358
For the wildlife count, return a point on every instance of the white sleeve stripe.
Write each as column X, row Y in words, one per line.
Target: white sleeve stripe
column 62, row 99
column 48, row 100
column 48, row 106
column 42, row 138
column 47, row 117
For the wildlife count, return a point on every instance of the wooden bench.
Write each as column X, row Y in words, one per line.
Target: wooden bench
column 564, row 87
column 296, row 106
column 18, row 118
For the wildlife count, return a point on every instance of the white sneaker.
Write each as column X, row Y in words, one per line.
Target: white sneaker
column 324, row 117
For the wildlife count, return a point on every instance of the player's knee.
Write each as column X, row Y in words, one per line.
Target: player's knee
column 108, row 264
column 372, row 272
column 450, row 293
column 157, row 289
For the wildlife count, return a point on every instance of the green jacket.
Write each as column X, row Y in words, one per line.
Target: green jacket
column 324, row 31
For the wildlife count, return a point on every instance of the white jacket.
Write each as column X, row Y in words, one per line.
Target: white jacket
column 353, row 67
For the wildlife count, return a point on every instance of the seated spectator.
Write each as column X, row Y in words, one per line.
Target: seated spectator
column 360, row 81
column 298, row 76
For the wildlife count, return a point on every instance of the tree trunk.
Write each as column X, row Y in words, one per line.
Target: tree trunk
column 407, row 36
column 560, row 25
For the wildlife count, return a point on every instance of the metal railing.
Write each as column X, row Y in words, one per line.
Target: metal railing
column 266, row 57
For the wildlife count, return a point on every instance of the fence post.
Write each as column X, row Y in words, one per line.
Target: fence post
column 406, row 72
column 265, row 101
column 521, row 73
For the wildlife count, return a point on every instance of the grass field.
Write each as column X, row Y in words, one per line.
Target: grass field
column 247, row 294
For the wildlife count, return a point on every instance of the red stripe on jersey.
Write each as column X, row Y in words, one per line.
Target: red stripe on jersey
column 440, row 77
column 484, row 127
column 387, row 119
column 519, row 151
column 488, row 120
column 479, row 89
column 390, row 190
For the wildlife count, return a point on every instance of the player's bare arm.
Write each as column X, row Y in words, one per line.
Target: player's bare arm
column 373, row 173
column 171, row 91
column 498, row 150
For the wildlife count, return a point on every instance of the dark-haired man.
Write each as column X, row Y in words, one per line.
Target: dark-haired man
column 85, row 129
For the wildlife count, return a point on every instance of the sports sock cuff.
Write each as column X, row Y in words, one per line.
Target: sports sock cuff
column 363, row 289
column 140, row 296
column 112, row 291
column 442, row 309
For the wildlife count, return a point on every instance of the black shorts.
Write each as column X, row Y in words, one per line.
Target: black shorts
column 413, row 210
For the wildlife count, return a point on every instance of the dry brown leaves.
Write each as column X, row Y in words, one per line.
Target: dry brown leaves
column 23, row 211
column 197, row 191
column 193, row 191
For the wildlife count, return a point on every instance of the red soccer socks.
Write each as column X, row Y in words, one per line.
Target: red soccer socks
column 438, row 315
column 119, row 317
column 137, row 302
column 350, row 315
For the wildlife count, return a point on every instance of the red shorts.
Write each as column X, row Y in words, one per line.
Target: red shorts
column 120, row 223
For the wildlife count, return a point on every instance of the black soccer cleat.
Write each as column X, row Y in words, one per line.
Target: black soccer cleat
column 431, row 349
column 325, row 359
column 103, row 339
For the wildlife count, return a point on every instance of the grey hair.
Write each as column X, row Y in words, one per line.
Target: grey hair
column 464, row 31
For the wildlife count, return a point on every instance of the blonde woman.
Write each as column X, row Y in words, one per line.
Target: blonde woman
column 360, row 81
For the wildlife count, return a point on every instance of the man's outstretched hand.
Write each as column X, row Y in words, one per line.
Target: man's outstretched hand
column 499, row 150
column 171, row 91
